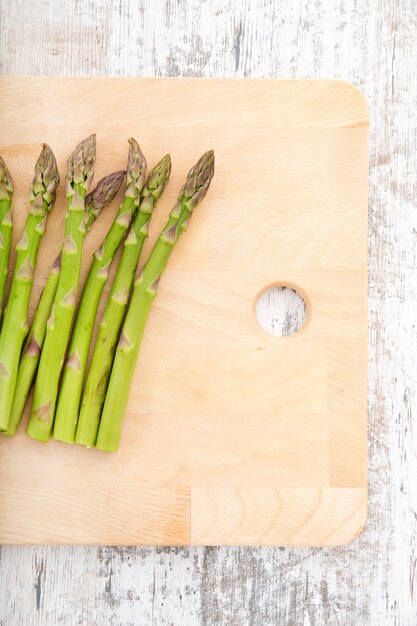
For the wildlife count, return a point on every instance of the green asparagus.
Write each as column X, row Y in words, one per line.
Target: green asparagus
column 80, row 169
column 6, row 227
column 100, row 197
column 74, row 370
column 15, row 324
column 109, row 329
column 194, row 190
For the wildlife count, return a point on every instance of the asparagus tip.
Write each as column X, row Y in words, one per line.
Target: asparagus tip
column 198, row 181
column 158, row 178
column 81, row 161
column 45, row 180
column 136, row 165
column 105, row 190
column 5, row 180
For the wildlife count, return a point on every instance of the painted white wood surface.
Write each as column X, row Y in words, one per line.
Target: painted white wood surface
column 373, row 580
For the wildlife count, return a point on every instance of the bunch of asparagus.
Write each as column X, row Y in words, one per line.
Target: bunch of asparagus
column 73, row 404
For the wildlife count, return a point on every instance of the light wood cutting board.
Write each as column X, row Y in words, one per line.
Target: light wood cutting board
column 231, row 436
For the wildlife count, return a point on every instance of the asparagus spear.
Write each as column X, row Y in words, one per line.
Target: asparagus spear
column 80, row 168
column 15, row 325
column 109, row 329
column 74, row 370
column 6, row 226
column 194, row 190
column 95, row 202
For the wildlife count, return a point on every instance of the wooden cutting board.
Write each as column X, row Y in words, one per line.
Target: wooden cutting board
column 231, row 436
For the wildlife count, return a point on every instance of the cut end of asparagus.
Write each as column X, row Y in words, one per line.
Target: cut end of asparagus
column 136, row 166
column 45, row 181
column 6, row 183
column 80, row 164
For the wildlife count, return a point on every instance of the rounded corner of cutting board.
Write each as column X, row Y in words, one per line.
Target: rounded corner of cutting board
column 354, row 95
column 355, row 526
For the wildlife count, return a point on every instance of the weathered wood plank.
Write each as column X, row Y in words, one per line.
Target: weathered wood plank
column 373, row 580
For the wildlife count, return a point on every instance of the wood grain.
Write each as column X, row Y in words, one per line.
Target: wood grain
column 373, row 580
column 268, row 516
column 217, row 406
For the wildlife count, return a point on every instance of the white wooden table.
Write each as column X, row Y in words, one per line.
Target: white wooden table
column 373, row 581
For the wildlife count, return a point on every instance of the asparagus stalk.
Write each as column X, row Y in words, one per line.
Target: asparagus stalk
column 74, row 370
column 194, row 190
column 15, row 325
column 102, row 195
column 80, row 168
column 109, row 329
column 6, row 226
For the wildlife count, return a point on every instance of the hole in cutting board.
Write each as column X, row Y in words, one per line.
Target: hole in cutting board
column 280, row 311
